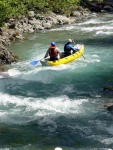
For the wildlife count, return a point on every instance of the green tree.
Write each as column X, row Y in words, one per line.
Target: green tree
column 16, row 8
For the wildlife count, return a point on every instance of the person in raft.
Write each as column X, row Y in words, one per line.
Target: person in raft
column 69, row 48
column 53, row 52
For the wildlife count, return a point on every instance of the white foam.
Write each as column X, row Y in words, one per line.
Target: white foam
column 107, row 141
column 89, row 22
column 61, row 105
column 110, row 130
column 58, row 148
column 97, row 22
column 93, row 60
column 13, row 72
column 104, row 32
column 102, row 139
column 89, row 29
column 43, row 74
column 1, row 76
column 64, row 28
column 22, row 106
column 96, row 56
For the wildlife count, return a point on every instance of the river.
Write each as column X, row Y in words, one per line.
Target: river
column 46, row 107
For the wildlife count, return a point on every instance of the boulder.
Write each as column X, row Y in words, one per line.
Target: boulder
column 109, row 106
column 31, row 14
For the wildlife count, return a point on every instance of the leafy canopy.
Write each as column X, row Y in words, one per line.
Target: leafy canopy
column 16, row 8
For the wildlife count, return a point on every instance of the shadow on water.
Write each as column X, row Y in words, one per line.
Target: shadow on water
column 105, row 41
column 78, row 87
column 91, row 41
column 62, row 132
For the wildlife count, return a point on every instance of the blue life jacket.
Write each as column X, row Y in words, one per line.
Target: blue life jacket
column 67, row 47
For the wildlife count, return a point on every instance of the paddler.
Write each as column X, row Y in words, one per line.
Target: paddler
column 53, row 52
column 69, row 48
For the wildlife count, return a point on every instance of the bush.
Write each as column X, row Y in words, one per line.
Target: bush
column 16, row 8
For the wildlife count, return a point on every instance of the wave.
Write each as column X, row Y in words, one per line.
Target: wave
column 71, row 27
column 95, row 22
column 104, row 32
column 43, row 74
column 96, row 28
column 107, row 141
column 27, row 109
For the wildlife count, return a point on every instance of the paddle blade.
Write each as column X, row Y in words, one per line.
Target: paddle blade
column 34, row 62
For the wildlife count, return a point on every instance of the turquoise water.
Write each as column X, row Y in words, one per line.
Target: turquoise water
column 46, row 107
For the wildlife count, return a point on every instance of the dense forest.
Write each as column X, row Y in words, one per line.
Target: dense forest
column 17, row 8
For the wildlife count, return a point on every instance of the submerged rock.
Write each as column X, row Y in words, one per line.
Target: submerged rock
column 108, row 88
column 109, row 106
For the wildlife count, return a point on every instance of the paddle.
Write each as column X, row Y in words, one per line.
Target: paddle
column 34, row 62
column 79, row 51
column 82, row 55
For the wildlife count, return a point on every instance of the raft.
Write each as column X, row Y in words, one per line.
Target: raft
column 64, row 60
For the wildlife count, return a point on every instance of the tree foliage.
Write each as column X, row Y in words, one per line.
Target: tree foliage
column 16, row 8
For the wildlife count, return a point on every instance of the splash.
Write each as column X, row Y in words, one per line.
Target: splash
column 25, row 109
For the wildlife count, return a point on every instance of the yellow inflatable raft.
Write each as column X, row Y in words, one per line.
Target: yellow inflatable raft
column 65, row 60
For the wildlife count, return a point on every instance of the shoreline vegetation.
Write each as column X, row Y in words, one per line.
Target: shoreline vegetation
column 18, row 17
